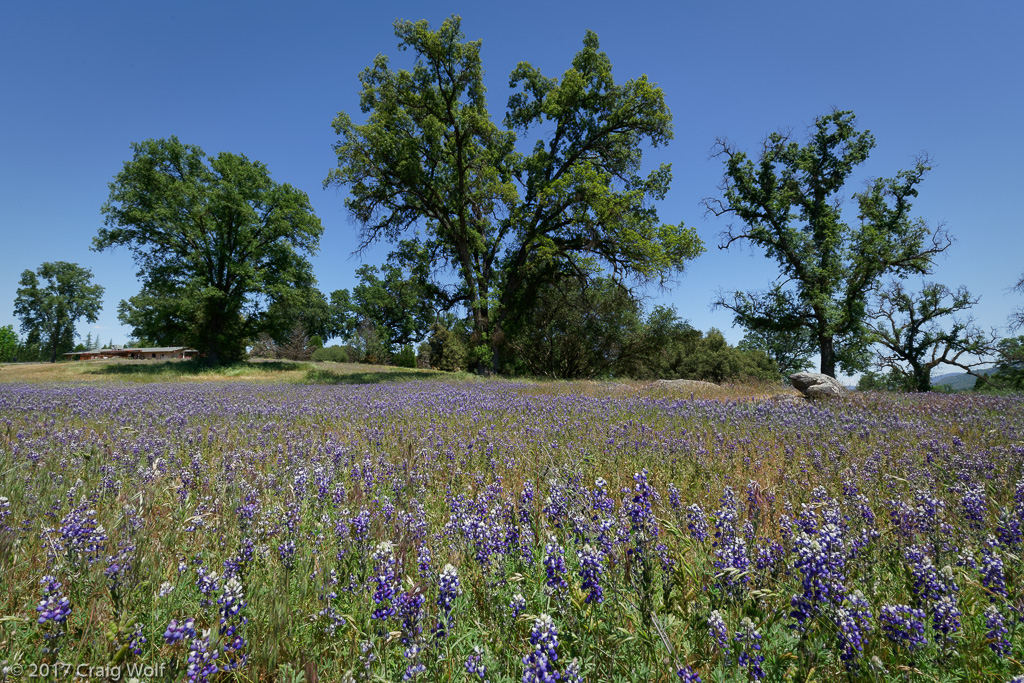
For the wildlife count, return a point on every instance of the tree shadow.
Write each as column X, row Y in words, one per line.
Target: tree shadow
column 322, row 376
column 185, row 368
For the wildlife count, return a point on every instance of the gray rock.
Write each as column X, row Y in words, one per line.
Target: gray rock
column 817, row 385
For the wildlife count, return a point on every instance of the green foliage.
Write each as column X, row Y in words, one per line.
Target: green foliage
column 370, row 345
column 447, row 349
column 8, row 343
column 576, row 327
column 307, row 307
column 336, row 354
column 712, row 359
column 429, row 156
column 905, row 326
column 51, row 300
column 890, row 380
column 400, row 305
column 584, row 327
column 405, row 358
column 216, row 241
column 787, row 202
column 297, row 346
column 1009, row 367
column 790, row 351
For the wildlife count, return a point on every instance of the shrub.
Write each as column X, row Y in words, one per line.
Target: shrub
column 406, row 358
column 447, row 349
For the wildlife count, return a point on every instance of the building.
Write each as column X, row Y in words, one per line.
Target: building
column 151, row 353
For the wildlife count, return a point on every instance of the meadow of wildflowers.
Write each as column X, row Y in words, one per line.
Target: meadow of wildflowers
column 493, row 531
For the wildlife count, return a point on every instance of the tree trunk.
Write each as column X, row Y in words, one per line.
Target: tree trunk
column 828, row 356
column 922, row 378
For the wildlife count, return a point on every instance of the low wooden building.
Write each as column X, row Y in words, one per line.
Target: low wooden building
column 149, row 353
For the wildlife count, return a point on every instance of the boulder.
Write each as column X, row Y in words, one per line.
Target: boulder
column 817, row 385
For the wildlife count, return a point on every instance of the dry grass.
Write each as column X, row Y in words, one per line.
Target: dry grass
column 188, row 371
column 292, row 372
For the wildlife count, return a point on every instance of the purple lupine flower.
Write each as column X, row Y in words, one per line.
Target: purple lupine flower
column 516, row 605
column 207, row 585
column 590, row 571
column 673, row 496
column 992, row 576
column 409, row 607
column 903, row 625
column 416, row 668
column 201, row 659
column 82, row 537
column 554, row 568
column 697, row 522
column 974, row 506
column 232, row 602
column 525, row 513
column 749, row 656
column 53, row 611
column 730, row 547
column 946, row 616
column 997, row 631
column 423, row 560
column 385, row 579
column 286, row 551
column 572, row 673
column 238, row 564
column 688, row 674
column 718, row 631
column 641, row 515
column 854, row 622
column 540, row 664
column 361, row 525
column 137, row 640
column 475, row 665
column 1008, row 529
column 821, row 562
column 180, row 631
column 448, row 589
column 556, row 504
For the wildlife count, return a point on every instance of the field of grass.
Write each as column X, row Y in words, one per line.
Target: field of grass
column 313, row 523
column 195, row 371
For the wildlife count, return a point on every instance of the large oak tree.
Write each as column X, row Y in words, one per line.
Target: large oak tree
column 787, row 202
column 216, row 240
column 429, row 157
column 51, row 300
column 906, row 325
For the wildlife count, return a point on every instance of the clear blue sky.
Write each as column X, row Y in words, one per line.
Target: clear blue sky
column 82, row 81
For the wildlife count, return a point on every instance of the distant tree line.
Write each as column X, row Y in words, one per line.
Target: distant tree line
column 523, row 247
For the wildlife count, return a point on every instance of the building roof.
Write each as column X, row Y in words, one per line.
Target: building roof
column 121, row 350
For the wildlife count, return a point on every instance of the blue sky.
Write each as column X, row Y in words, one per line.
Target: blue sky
column 82, row 81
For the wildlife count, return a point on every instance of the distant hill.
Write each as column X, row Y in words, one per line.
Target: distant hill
column 959, row 381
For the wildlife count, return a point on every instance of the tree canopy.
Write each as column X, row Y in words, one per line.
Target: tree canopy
column 397, row 299
column 906, row 326
column 50, row 302
column 430, row 157
column 787, row 202
column 8, row 343
column 216, row 241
